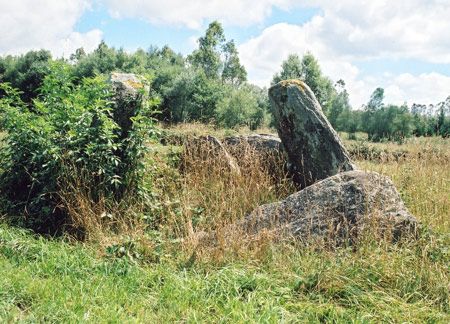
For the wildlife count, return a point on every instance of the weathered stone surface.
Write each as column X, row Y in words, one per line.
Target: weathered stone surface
column 205, row 149
column 267, row 151
column 314, row 149
column 263, row 143
column 340, row 208
column 128, row 96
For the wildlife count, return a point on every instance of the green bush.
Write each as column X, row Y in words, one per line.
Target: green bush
column 242, row 107
column 68, row 139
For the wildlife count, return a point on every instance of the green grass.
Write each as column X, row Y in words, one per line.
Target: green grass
column 53, row 281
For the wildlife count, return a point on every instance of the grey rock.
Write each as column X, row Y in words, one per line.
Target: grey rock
column 205, row 149
column 129, row 93
column 314, row 149
column 266, row 148
column 342, row 208
column 263, row 143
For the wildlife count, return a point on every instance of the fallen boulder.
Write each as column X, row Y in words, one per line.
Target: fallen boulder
column 341, row 208
column 205, row 149
column 265, row 148
column 314, row 149
column 263, row 143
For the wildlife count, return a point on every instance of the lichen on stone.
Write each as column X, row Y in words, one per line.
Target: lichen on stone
column 299, row 83
column 134, row 84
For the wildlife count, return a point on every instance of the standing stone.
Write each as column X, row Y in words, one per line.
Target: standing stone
column 128, row 98
column 314, row 149
column 129, row 93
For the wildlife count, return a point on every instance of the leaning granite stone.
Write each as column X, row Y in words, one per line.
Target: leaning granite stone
column 341, row 208
column 314, row 149
column 128, row 97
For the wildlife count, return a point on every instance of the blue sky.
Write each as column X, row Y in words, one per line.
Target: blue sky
column 401, row 46
column 133, row 33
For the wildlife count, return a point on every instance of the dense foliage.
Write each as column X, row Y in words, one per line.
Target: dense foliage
column 68, row 138
column 210, row 85
column 25, row 72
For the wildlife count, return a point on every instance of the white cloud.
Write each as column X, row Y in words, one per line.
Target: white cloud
column 262, row 56
column 380, row 28
column 358, row 29
column 49, row 24
column 194, row 13
column 348, row 32
column 424, row 88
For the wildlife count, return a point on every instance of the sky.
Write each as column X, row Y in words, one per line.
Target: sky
column 402, row 46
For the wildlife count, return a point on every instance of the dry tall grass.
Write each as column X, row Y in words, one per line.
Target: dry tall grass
column 208, row 195
column 90, row 214
column 422, row 175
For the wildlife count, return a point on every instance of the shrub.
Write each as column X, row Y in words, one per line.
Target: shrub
column 67, row 139
column 240, row 107
column 192, row 97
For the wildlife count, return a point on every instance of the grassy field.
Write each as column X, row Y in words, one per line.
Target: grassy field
column 164, row 276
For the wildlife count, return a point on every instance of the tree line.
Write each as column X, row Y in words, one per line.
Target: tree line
column 379, row 120
column 210, row 85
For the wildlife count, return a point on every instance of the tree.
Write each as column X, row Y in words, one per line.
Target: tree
column 102, row 60
column 376, row 100
column 2, row 67
column 262, row 117
column 177, row 97
column 237, row 108
column 308, row 70
column 339, row 103
column 369, row 120
column 105, row 58
column 389, row 122
column 291, row 68
column 233, row 71
column 441, row 121
column 136, row 62
column 27, row 72
column 348, row 121
column 78, row 55
column 402, row 124
column 319, row 84
column 218, row 58
column 205, row 97
column 192, row 97
column 207, row 56
column 122, row 59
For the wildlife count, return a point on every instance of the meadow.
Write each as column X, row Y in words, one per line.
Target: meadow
column 165, row 274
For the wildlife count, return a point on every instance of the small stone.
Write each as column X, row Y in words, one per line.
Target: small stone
column 263, row 143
